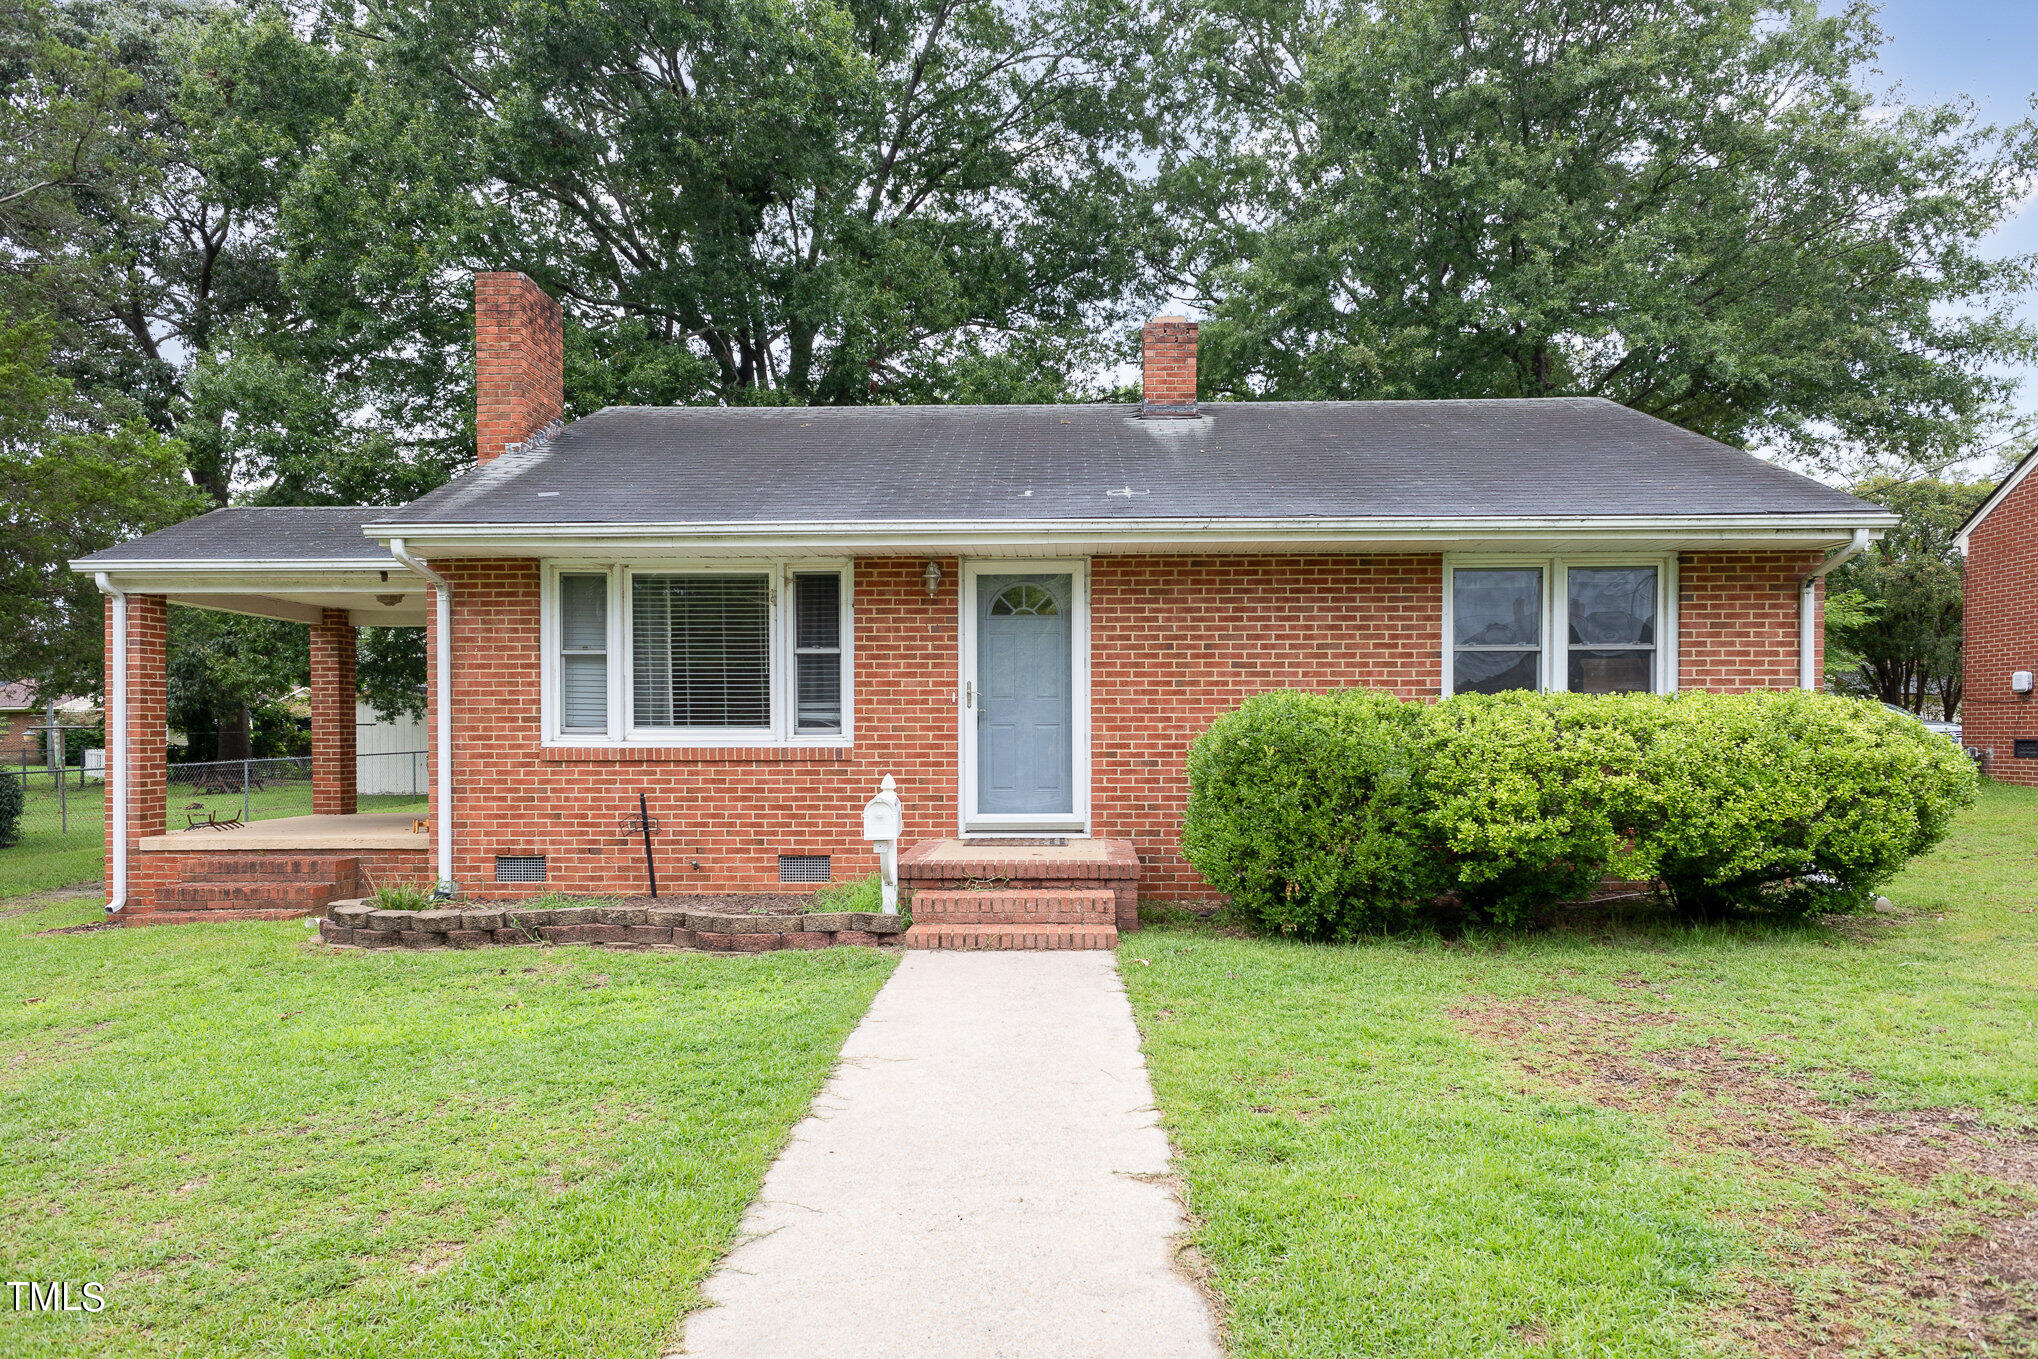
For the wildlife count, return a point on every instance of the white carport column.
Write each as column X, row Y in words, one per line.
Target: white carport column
column 138, row 711
column 442, row 703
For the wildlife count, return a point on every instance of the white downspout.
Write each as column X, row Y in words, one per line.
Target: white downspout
column 1807, row 590
column 443, row 650
column 117, row 771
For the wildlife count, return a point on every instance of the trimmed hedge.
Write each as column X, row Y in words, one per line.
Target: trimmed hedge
column 1326, row 815
column 10, row 810
column 1303, row 808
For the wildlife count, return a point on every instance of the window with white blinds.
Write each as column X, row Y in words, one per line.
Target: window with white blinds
column 700, row 651
column 817, row 651
column 584, row 652
column 1589, row 625
column 744, row 653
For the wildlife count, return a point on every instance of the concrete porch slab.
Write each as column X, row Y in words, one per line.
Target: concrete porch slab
column 365, row 830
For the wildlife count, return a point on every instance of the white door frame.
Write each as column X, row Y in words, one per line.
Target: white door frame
column 968, row 820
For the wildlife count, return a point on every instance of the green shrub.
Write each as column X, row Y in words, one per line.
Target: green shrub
column 1302, row 809
column 403, row 896
column 860, row 894
column 1528, row 799
column 1791, row 802
column 1325, row 815
column 10, row 810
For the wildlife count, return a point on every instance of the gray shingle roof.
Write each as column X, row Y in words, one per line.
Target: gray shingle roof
column 266, row 533
column 1336, row 460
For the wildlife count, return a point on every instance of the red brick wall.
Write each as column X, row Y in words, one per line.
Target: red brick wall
column 1737, row 619
column 148, row 723
column 732, row 811
column 519, row 362
column 332, row 714
column 2002, row 634
column 153, row 869
column 1168, row 362
column 1175, row 641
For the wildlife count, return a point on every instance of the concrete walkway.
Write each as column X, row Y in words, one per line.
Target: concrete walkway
column 966, row 1185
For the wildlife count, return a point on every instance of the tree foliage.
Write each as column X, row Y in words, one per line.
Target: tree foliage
column 1896, row 633
column 1692, row 207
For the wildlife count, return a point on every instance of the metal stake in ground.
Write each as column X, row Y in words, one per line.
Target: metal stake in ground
column 650, row 864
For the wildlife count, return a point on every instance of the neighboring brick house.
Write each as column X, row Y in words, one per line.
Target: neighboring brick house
column 23, row 718
column 1999, row 655
column 1024, row 614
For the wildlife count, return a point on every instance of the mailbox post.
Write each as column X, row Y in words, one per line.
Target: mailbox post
column 883, row 822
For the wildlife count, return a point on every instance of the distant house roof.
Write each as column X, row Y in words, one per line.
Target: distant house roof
column 293, row 535
column 2009, row 483
column 1349, row 460
column 20, row 696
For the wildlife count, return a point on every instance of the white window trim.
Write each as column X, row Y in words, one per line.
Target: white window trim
column 622, row 729
column 968, row 820
column 1555, row 671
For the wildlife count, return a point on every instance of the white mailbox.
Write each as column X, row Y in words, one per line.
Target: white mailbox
column 884, row 821
column 882, row 818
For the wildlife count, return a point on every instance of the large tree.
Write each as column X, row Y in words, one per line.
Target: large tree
column 746, row 200
column 1896, row 631
column 1692, row 207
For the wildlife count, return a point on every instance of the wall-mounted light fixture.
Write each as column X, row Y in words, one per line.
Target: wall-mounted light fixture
column 932, row 577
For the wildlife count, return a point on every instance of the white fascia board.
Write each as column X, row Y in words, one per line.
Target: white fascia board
column 926, row 535
column 244, row 577
column 1996, row 497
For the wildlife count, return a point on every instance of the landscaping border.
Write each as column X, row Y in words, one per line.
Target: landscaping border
column 361, row 924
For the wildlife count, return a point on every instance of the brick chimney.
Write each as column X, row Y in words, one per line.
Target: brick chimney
column 519, row 365
column 1168, row 366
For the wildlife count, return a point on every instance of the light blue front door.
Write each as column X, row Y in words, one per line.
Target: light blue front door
column 1025, row 685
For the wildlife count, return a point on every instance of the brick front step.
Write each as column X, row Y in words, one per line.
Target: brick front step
column 275, row 866
column 134, row 917
column 1016, row 906
column 274, row 893
column 926, row 934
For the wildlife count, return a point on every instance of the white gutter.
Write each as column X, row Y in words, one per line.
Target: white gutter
column 1132, row 531
column 442, row 644
column 116, row 701
column 1807, row 590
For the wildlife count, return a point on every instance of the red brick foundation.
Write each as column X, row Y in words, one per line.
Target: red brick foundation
column 1175, row 641
column 2001, row 617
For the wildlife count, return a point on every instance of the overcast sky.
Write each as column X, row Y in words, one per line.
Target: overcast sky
column 1987, row 50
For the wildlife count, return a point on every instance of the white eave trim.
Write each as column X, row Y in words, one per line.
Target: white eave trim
column 965, row 534
column 1996, row 497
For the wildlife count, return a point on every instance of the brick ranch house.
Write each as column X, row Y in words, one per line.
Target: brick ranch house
column 1999, row 653
column 1023, row 613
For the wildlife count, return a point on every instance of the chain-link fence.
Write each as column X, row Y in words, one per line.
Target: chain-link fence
column 62, row 808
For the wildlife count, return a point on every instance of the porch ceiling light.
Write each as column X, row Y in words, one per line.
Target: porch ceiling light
column 389, row 601
column 932, row 576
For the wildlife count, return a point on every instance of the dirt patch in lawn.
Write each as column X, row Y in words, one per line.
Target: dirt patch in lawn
column 1922, row 1226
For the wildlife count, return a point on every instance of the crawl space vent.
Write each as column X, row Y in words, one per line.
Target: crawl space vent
column 520, row 868
column 2025, row 749
column 803, row 868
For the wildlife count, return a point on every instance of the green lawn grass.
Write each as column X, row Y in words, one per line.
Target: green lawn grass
column 63, row 844
column 1623, row 1138
column 263, row 1146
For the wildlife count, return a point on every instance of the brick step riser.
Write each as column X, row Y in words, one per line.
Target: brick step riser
column 304, row 895
column 324, row 870
column 1038, row 908
column 991, row 915
column 922, row 936
column 133, row 917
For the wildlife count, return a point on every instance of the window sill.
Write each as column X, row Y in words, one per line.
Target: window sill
column 623, row 754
